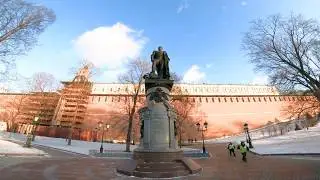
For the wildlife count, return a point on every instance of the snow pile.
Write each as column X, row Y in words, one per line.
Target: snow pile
column 10, row 148
column 81, row 147
column 294, row 142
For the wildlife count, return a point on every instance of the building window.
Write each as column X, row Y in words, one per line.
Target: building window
column 219, row 100
column 200, row 99
column 248, row 99
column 111, row 89
column 212, row 99
column 259, row 99
column 231, row 99
column 284, row 98
column 254, row 99
column 92, row 99
column 105, row 100
column 112, row 99
column 275, row 99
column 102, row 89
column 237, row 99
column 242, row 99
column 207, row 100
column 264, row 98
column 99, row 99
column 119, row 98
column 270, row 99
column 225, row 99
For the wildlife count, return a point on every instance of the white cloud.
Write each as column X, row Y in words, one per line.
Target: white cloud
column 183, row 5
column 244, row 3
column 110, row 46
column 260, row 80
column 194, row 75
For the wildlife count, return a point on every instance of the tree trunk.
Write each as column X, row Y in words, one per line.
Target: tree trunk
column 129, row 133
column 70, row 135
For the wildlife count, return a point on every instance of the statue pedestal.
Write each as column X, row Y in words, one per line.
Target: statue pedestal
column 158, row 155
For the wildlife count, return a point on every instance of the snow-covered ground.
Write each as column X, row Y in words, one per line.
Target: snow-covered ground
column 10, row 148
column 81, row 147
column 294, row 142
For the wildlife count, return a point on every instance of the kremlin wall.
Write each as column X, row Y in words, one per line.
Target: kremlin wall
column 80, row 105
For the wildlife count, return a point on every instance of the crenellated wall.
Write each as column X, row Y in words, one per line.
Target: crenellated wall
column 224, row 107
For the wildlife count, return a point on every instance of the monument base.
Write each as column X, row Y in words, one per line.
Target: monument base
column 159, row 165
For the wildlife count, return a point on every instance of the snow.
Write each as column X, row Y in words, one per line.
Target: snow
column 10, row 148
column 294, row 142
column 81, row 147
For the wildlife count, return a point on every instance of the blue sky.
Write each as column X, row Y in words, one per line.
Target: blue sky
column 202, row 37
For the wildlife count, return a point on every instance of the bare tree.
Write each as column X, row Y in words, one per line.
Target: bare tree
column 21, row 23
column 184, row 107
column 42, row 98
column 134, row 78
column 13, row 109
column 287, row 49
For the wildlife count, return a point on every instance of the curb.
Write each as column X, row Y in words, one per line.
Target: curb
column 39, row 145
column 287, row 154
column 21, row 154
column 67, row 151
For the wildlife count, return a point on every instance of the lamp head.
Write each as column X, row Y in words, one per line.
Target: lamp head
column 36, row 119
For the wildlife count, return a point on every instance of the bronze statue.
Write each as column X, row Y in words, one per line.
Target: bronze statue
column 160, row 64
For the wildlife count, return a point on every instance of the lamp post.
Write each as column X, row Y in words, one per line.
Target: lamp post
column 246, row 130
column 202, row 129
column 101, row 126
column 35, row 123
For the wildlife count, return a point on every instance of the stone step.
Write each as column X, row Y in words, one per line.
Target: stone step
column 161, row 174
column 161, row 167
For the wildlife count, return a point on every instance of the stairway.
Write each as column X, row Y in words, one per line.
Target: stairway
column 161, row 169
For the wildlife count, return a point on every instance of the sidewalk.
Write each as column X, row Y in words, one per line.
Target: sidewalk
column 220, row 166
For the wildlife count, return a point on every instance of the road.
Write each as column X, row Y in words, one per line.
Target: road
column 61, row 165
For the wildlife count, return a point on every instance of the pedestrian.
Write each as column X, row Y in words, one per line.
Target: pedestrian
column 231, row 148
column 243, row 150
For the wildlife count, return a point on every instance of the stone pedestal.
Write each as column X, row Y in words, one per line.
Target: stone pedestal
column 158, row 155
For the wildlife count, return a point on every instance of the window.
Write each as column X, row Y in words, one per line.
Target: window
column 248, row 99
column 264, row 98
column 112, row 99
column 99, row 99
column 237, row 99
column 259, row 99
column 275, row 99
column 242, row 99
column 225, row 99
column 231, row 99
column 102, row 89
column 254, row 100
column 212, row 99
column 105, row 100
column 200, row 99
column 194, row 100
column 92, row 99
column 207, row 100
column 284, row 98
column 270, row 99
column 111, row 89
column 219, row 100
column 119, row 98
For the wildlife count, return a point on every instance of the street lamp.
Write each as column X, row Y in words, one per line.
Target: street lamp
column 35, row 123
column 101, row 126
column 246, row 131
column 202, row 129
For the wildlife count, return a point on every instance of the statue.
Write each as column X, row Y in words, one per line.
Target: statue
column 160, row 64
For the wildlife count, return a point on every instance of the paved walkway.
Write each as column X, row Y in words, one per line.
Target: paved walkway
column 220, row 166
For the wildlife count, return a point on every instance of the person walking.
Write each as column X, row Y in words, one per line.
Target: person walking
column 231, row 148
column 243, row 150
